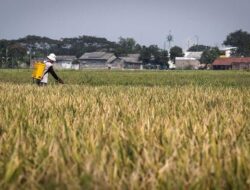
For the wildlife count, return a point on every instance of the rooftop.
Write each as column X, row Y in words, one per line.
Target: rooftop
column 191, row 54
column 132, row 58
column 96, row 55
column 229, row 61
column 65, row 57
column 108, row 57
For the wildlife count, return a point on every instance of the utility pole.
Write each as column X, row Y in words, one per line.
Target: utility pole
column 170, row 38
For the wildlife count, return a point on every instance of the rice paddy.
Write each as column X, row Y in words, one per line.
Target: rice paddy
column 126, row 130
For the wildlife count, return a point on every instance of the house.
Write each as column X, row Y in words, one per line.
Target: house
column 65, row 62
column 97, row 60
column 132, row 61
column 191, row 60
column 186, row 63
column 227, row 51
column 235, row 63
column 116, row 64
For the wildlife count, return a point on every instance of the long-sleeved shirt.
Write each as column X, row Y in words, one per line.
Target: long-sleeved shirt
column 48, row 69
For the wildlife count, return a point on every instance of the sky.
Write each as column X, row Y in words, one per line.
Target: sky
column 149, row 22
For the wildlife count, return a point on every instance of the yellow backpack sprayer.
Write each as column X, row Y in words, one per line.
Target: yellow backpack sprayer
column 38, row 70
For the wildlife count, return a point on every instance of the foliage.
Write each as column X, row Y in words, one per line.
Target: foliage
column 241, row 40
column 176, row 52
column 145, row 55
column 17, row 51
column 154, row 55
column 191, row 133
column 3, row 52
column 66, row 46
column 198, row 48
column 3, row 46
column 127, row 46
column 16, row 54
column 208, row 56
column 162, row 59
column 32, row 39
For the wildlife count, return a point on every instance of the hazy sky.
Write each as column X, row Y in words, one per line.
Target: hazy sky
column 147, row 21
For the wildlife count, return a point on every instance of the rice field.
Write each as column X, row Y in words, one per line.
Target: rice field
column 126, row 130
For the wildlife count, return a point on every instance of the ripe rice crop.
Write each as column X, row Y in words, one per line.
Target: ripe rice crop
column 161, row 135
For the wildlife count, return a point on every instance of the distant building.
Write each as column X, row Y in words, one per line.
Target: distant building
column 195, row 55
column 227, row 51
column 191, row 60
column 235, row 63
column 97, row 60
column 65, row 62
column 186, row 63
column 116, row 64
column 132, row 61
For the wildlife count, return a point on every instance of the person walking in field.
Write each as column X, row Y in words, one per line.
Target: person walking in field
column 49, row 69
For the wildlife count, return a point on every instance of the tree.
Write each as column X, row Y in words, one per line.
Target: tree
column 208, row 56
column 241, row 40
column 126, row 46
column 154, row 55
column 145, row 55
column 3, row 47
column 138, row 48
column 163, row 58
column 175, row 52
column 17, row 53
column 197, row 48
column 150, row 54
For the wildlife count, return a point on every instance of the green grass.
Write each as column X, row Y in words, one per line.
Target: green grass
column 139, row 78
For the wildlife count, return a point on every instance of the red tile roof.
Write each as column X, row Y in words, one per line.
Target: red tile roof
column 229, row 61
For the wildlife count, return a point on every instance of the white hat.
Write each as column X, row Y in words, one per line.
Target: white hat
column 52, row 57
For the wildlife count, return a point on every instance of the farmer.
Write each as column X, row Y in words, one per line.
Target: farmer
column 49, row 69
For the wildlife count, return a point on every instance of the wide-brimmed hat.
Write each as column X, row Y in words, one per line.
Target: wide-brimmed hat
column 52, row 57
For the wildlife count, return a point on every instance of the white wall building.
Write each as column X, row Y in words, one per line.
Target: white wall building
column 65, row 62
column 191, row 60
